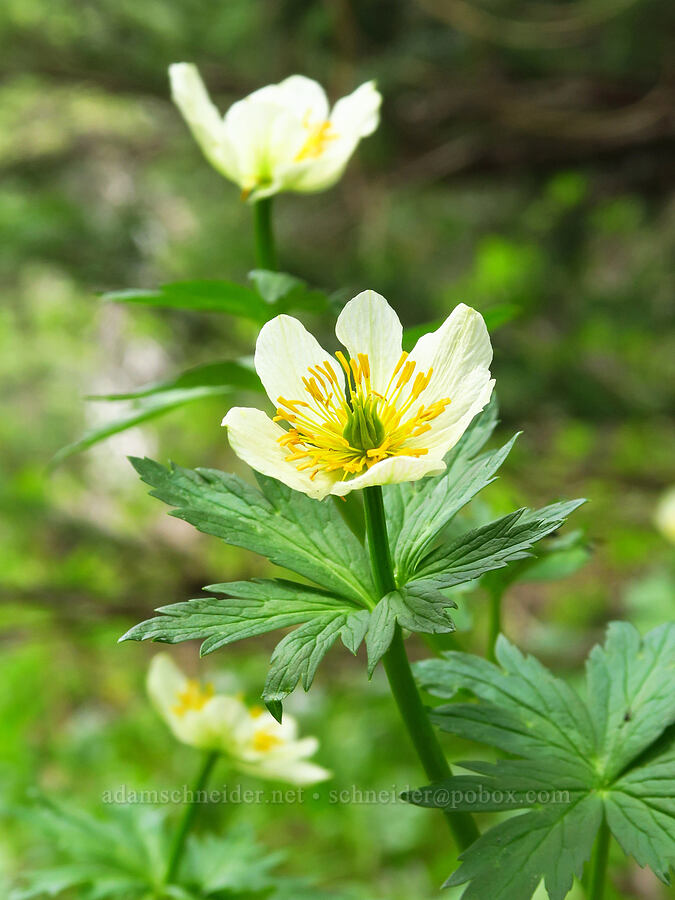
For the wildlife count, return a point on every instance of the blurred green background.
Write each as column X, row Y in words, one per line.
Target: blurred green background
column 524, row 157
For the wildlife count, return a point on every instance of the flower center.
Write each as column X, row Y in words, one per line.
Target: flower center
column 319, row 135
column 192, row 697
column 263, row 741
column 348, row 428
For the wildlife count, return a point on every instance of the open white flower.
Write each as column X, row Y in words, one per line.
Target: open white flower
column 252, row 739
column 379, row 417
column 282, row 137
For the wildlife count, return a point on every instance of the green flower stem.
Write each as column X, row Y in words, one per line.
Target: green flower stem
column 598, row 864
column 495, row 620
column 265, row 250
column 400, row 676
column 178, row 845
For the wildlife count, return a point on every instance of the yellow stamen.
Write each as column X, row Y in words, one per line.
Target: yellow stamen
column 335, row 432
column 192, row 697
column 319, row 135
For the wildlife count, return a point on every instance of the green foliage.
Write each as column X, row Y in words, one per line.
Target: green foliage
column 311, row 539
column 272, row 293
column 570, row 761
column 124, row 855
column 285, row 526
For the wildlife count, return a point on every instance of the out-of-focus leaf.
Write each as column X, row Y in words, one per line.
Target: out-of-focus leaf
column 272, row 293
column 236, row 374
column 202, row 296
column 141, row 411
column 286, row 293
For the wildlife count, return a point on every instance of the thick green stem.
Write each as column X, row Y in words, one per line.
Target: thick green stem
column 178, row 845
column 265, row 250
column 495, row 620
column 400, row 676
column 598, row 864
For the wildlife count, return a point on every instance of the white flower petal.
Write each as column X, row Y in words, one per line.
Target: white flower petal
column 304, row 97
column 284, row 352
column 454, row 350
column 204, row 120
column 164, row 682
column 254, row 438
column 392, row 471
column 358, row 114
column 263, row 136
column 459, row 352
column 294, row 772
column 369, row 325
column 448, row 428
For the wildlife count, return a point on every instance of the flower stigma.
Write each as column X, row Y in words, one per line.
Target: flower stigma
column 192, row 697
column 348, row 428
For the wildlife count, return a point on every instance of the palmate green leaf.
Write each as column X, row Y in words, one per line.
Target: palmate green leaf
column 509, row 861
column 257, row 607
column 612, row 755
column 641, row 808
column 297, row 657
column 631, row 692
column 417, row 609
column 141, row 411
column 289, row 528
column 491, row 546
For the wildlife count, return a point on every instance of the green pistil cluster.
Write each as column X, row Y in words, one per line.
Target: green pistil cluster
column 363, row 430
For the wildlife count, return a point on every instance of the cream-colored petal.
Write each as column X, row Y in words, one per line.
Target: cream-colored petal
column 392, row 471
column 263, row 137
column 304, row 97
column 192, row 99
column 453, row 351
column 448, row 428
column 358, row 114
column 164, row 682
column 254, row 438
column 284, row 352
column 369, row 325
column 459, row 354
column 294, row 772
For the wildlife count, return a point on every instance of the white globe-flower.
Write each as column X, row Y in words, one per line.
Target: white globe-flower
column 251, row 739
column 282, row 137
column 664, row 515
column 379, row 417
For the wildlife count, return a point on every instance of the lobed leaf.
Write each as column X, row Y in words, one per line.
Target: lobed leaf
column 292, row 530
column 612, row 755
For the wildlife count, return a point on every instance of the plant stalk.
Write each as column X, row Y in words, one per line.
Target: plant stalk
column 397, row 667
column 265, row 249
column 598, row 865
column 178, row 845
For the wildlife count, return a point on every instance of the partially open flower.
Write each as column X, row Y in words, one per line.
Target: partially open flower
column 282, row 137
column 379, row 417
column 253, row 741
